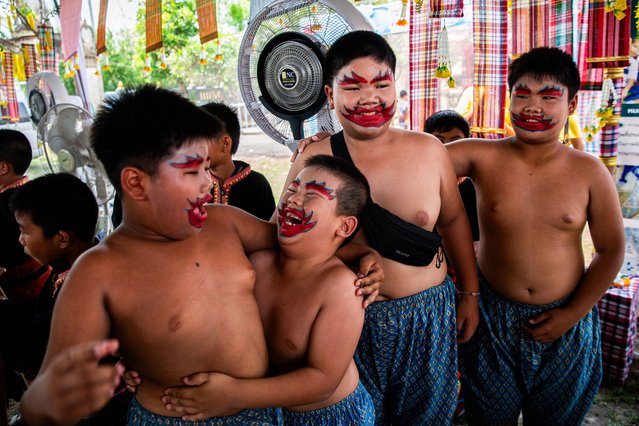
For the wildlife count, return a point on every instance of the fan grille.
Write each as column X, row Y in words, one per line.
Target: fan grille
column 320, row 21
column 293, row 76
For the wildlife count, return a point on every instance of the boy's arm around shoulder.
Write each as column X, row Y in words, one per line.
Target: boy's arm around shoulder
column 254, row 234
column 80, row 313
column 333, row 340
column 605, row 223
column 464, row 153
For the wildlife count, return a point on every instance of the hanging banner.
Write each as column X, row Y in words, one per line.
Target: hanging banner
column 490, row 43
column 100, row 43
column 608, row 37
column 70, row 22
column 48, row 58
column 153, row 25
column 206, row 20
column 424, row 87
column 530, row 19
column 31, row 63
column 9, row 88
column 446, row 9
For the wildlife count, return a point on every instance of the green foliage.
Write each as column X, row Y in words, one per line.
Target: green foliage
column 238, row 15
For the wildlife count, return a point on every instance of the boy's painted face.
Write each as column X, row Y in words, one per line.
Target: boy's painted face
column 308, row 201
column 44, row 250
column 539, row 106
column 449, row 135
column 181, row 188
column 363, row 95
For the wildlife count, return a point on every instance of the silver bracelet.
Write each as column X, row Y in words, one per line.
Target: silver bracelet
column 469, row 293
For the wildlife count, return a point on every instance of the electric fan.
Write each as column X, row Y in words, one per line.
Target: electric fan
column 45, row 89
column 280, row 66
column 64, row 132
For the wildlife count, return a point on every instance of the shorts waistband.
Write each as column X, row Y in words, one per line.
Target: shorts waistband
column 416, row 299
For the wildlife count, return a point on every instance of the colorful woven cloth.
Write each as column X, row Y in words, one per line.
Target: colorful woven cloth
column 490, row 39
column 48, row 59
column 530, row 20
column 153, row 25
column 446, row 9
column 100, row 44
column 31, row 63
column 206, row 20
column 610, row 50
column 424, row 87
column 618, row 312
column 610, row 133
column 9, row 88
column 560, row 25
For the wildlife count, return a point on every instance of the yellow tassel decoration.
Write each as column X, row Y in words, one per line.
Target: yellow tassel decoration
column 402, row 22
column 147, row 63
column 418, row 5
column 163, row 64
column 105, row 65
column 203, row 60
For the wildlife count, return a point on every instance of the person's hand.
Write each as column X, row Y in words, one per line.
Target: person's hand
column 370, row 277
column 131, row 378
column 307, row 141
column 467, row 317
column 550, row 325
column 205, row 395
column 73, row 386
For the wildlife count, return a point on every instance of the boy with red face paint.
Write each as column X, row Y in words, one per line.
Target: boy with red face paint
column 312, row 320
column 407, row 354
column 537, row 348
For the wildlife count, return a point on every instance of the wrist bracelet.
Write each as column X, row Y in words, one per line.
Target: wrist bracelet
column 469, row 293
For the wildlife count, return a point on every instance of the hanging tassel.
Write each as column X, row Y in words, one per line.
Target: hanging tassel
column 147, row 63
column 617, row 7
column 163, row 64
column 637, row 18
column 10, row 24
column 443, row 63
column 31, row 21
column 18, row 67
column 105, row 62
column 218, row 55
column 418, row 5
column 315, row 26
column 203, row 60
column 76, row 65
column 97, row 66
column 68, row 70
column 402, row 22
column 48, row 37
column 606, row 109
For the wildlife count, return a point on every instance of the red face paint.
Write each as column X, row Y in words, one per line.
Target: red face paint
column 191, row 162
column 552, row 91
column 197, row 213
column 321, row 188
column 532, row 123
column 521, row 90
column 354, row 79
column 382, row 77
column 370, row 116
column 293, row 222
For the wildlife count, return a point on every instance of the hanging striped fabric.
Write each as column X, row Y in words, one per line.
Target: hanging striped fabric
column 446, row 9
column 206, row 20
column 48, row 57
column 490, row 35
column 100, row 44
column 531, row 21
column 31, row 63
column 424, row 93
column 9, row 88
column 153, row 25
column 560, row 29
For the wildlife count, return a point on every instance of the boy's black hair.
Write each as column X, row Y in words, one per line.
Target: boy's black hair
column 353, row 193
column 355, row 45
column 230, row 122
column 445, row 120
column 15, row 149
column 141, row 127
column 58, row 202
column 548, row 62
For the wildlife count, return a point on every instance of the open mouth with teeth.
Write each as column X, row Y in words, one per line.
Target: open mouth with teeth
column 293, row 222
column 197, row 212
column 532, row 123
column 370, row 117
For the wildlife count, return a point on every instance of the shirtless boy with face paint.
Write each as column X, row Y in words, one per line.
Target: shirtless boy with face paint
column 172, row 282
column 312, row 320
column 407, row 355
column 537, row 348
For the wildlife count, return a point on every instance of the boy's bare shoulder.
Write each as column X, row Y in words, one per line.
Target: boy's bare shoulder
column 336, row 280
column 586, row 165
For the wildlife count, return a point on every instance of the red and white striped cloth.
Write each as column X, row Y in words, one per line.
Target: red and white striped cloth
column 530, row 25
column 446, row 9
column 48, row 57
column 490, row 36
column 31, row 63
column 424, row 87
column 9, row 88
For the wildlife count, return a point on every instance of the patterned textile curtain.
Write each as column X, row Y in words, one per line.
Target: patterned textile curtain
column 531, row 22
column 31, row 63
column 611, row 53
column 9, row 88
column 560, row 27
column 100, row 44
column 490, row 40
column 48, row 57
column 446, row 9
column 424, row 87
column 206, row 20
column 153, row 25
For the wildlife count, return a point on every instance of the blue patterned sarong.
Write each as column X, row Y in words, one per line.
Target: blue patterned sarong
column 505, row 372
column 139, row 416
column 407, row 357
column 355, row 410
